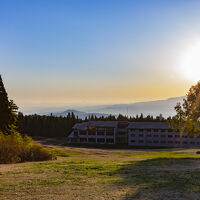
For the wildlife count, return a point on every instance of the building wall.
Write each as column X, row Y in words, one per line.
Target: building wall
column 98, row 135
column 160, row 138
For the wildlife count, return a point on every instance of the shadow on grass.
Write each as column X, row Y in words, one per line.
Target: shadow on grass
column 161, row 179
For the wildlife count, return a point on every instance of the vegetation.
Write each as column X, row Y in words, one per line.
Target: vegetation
column 13, row 147
column 8, row 111
column 46, row 126
column 187, row 118
column 81, row 173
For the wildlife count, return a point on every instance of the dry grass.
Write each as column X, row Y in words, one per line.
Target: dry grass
column 100, row 174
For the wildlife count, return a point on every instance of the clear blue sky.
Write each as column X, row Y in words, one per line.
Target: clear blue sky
column 96, row 51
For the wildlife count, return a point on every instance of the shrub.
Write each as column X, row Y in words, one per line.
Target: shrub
column 15, row 148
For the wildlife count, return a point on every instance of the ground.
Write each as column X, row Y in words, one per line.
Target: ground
column 104, row 174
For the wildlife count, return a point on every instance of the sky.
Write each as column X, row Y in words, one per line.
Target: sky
column 89, row 52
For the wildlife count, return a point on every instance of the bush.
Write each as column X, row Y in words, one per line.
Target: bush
column 15, row 148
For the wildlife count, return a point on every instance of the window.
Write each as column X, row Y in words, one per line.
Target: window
column 192, row 142
column 155, row 136
column 83, row 139
column 155, row 141
column 141, row 135
column 92, row 132
column 149, row 141
column 170, row 136
column 177, row 142
column 149, row 135
column 141, row 141
column 184, row 142
column 163, row 136
column 162, row 130
column 177, row 136
column 155, row 130
column 132, row 135
column 100, row 140
column 148, row 130
column 92, row 140
column 163, row 142
column 170, row 130
column 100, row 131
column 83, row 132
column 110, row 131
column 141, row 130
column 109, row 141
column 133, row 141
column 170, row 142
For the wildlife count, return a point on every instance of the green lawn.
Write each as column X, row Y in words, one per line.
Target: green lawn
column 81, row 173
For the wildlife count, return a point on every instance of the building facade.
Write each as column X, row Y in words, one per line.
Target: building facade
column 158, row 134
column 94, row 132
column 137, row 134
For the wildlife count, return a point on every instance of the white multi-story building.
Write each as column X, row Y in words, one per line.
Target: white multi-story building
column 138, row 134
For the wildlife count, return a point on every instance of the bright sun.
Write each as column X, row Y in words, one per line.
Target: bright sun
column 190, row 62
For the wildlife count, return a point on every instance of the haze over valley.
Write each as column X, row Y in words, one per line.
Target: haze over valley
column 155, row 108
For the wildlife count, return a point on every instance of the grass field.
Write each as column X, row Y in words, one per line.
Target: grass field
column 88, row 173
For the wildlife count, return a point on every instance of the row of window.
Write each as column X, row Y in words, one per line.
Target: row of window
column 152, row 130
column 97, row 136
column 162, row 136
column 162, row 142
column 92, row 132
column 99, row 140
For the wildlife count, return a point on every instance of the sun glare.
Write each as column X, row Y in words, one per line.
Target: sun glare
column 190, row 62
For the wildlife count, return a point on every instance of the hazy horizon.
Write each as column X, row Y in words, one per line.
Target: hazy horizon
column 100, row 108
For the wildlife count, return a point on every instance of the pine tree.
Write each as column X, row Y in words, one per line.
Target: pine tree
column 7, row 110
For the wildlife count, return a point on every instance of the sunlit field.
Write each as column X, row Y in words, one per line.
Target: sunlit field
column 90, row 173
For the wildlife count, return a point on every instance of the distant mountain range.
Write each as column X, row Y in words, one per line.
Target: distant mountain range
column 80, row 114
column 155, row 108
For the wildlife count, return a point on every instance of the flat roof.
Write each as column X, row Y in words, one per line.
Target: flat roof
column 85, row 125
column 149, row 125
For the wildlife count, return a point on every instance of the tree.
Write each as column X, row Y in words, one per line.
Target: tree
column 187, row 118
column 7, row 110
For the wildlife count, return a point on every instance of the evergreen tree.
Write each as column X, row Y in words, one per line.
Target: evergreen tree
column 141, row 117
column 7, row 110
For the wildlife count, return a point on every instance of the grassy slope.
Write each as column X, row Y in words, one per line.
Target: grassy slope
column 81, row 173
